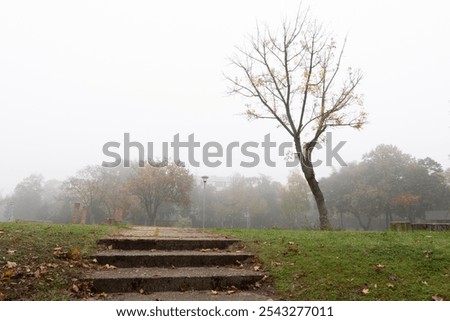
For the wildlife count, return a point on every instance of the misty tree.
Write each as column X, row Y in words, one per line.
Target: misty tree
column 87, row 187
column 294, row 200
column 387, row 183
column 241, row 204
column 27, row 197
column 157, row 184
column 294, row 75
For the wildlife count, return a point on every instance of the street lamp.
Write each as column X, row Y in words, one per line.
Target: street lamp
column 204, row 178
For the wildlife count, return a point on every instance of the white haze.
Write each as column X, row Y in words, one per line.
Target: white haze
column 75, row 75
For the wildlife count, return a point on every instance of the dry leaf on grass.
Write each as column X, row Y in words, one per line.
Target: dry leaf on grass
column 75, row 253
column 11, row 265
column 8, row 273
column 379, row 267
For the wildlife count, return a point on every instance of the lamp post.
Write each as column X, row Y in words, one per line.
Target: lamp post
column 204, row 178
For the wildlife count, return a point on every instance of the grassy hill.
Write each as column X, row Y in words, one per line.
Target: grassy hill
column 42, row 261
column 316, row 265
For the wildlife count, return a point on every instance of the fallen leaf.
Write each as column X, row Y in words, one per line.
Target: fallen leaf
column 437, row 298
column 291, row 243
column 141, row 291
column 231, row 291
column 392, row 278
column 2, row 297
column 110, row 267
column 365, row 291
column 75, row 288
column 214, row 292
column 390, row 285
column 256, row 268
column 427, row 253
column 110, row 247
column 75, row 253
column 8, row 273
column 379, row 267
column 11, row 252
column 299, row 275
column 11, row 265
column 265, row 277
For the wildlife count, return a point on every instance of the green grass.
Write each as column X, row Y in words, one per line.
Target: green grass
column 45, row 259
column 315, row 265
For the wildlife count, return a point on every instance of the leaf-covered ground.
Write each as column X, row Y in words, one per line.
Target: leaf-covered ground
column 44, row 261
column 315, row 265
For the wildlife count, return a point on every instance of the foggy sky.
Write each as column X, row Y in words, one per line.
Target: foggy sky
column 75, row 75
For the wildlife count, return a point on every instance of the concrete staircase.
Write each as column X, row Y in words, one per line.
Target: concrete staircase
column 174, row 264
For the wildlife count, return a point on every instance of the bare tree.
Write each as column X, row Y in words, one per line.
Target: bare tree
column 292, row 75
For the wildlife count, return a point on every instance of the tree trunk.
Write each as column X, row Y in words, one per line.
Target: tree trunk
column 388, row 216
column 308, row 171
column 151, row 213
column 318, row 197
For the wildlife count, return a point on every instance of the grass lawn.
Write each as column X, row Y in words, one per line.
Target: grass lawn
column 43, row 261
column 316, row 265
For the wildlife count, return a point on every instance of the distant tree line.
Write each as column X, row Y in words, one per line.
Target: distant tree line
column 386, row 185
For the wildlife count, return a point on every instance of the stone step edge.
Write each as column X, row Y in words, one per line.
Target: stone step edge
column 165, row 243
column 129, row 259
column 165, row 279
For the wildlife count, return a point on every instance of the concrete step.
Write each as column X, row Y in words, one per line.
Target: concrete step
column 133, row 258
column 150, row 280
column 127, row 243
column 189, row 296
